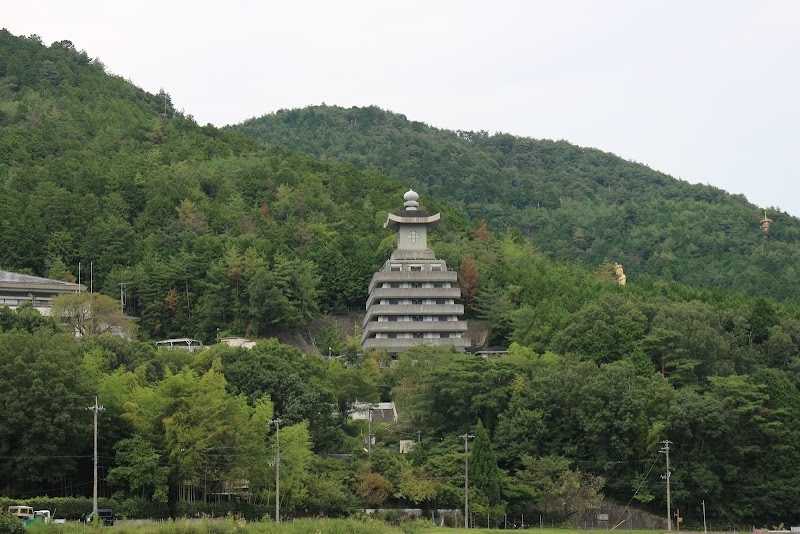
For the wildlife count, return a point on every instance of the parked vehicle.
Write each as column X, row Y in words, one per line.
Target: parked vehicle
column 43, row 515
column 105, row 515
column 22, row 512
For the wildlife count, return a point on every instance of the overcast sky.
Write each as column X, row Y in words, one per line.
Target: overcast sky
column 707, row 91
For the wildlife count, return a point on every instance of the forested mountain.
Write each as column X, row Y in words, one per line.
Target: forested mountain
column 577, row 204
column 215, row 234
column 208, row 230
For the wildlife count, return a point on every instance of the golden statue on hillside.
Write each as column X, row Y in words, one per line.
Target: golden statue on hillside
column 621, row 278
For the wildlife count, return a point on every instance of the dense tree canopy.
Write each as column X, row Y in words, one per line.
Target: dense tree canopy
column 575, row 203
column 207, row 234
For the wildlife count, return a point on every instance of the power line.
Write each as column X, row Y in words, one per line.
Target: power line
column 705, row 491
column 637, row 490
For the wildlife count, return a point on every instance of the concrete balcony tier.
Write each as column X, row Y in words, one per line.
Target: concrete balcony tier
column 396, row 345
column 413, row 276
column 413, row 326
column 401, row 255
column 412, row 309
column 414, row 293
column 407, row 262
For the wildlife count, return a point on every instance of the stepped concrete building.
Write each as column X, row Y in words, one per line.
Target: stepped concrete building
column 412, row 299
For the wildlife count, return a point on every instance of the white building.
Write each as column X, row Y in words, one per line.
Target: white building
column 17, row 289
column 377, row 412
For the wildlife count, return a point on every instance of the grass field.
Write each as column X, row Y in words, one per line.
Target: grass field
column 443, row 530
column 310, row 526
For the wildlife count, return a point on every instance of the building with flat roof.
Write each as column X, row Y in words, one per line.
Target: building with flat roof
column 181, row 343
column 412, row 299
column 17, row 289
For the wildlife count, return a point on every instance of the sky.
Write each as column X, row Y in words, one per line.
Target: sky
column 706, row 91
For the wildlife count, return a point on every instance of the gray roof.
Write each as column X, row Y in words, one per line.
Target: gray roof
column 6, row 276
column 29, row 281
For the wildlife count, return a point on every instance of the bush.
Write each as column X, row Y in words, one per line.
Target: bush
column 141, row 509
column 415, row 525
column 10, row 524
column 64, row 507
column 251, row 512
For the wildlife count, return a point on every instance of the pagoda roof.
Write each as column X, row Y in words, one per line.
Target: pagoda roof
column 411, row 217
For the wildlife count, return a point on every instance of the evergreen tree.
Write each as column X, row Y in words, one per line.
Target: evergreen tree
column 484, row 475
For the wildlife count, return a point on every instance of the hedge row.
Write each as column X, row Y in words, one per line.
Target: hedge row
column 72, row 508
column 303, row 526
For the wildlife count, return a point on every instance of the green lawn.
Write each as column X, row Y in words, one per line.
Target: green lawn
column 325, row 526
column 443, row 530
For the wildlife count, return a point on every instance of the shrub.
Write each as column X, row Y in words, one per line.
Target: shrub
column 251, row 512
column 10, row 524
column 141, row 509
column 415, row 525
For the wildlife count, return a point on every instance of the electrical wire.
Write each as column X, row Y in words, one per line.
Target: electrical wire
column 705, row 492
column 619, row 521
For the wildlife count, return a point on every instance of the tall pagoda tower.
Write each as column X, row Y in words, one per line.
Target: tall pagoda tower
column 412, row 299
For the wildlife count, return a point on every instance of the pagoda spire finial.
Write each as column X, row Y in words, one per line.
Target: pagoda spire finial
column 411, row 198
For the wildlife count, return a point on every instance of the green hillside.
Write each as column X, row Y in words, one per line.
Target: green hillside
column 577, row 204
column 215, row 234
column 93, row 172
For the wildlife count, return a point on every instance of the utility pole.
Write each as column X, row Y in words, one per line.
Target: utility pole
column 665, row 450
column 122, row 288
column 96, row 409
column 466, row 437
column 368, row 406
column 705, row 530
column 369, row 431
column 277, row 423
